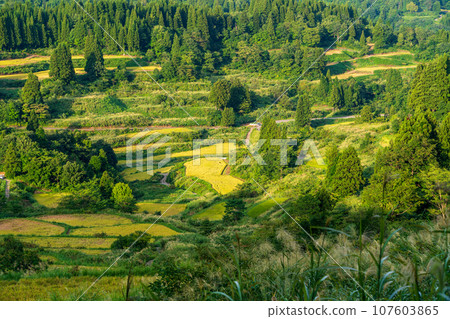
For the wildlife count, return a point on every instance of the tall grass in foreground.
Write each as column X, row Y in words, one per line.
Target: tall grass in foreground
column 385, row 268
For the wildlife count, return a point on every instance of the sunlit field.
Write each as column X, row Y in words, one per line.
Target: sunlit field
column 18, row 226
column 123, row 230
column 87, row 220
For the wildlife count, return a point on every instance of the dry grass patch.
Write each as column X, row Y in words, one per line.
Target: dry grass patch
column 20, row 226
column 87, row 220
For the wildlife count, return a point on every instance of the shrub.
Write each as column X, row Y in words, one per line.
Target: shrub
column 15, row 257
column 124, row 242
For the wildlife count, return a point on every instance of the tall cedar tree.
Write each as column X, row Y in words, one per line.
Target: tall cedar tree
column 431, row 87
column 444, row 140
column 303, row 113
column 31, row 92
column 332, row 157
column 347, row 179
column 94, row 58
column 61, row 66
column 220, row 93
column 336, row 99
column 12, row 164
column 416, row 145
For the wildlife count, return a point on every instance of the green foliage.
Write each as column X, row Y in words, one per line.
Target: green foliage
column 94, row 58
column 231, row 94
column 107, row 105
column 367, row 114
column 444, row 140
column 234, row 210
column 382, row 35
column 15, row 257
column 61, row 66
column 303, row 113
column 31, row 92
column 220, row 93
column 416, row 144
column 431, row 87
column 436, row 186
column 228, row 117
column 133, row 243
column 311, row 209
column 347, row 179
column 11, row 162
column 122, row 196
column 332, row 157
column 106, row 185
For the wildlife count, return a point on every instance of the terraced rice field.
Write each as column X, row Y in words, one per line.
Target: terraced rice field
column 123, row 230
column 86, row 220
column 161, row 131
column 49, row 200
column 131, row 174
column 211, row 150
column 211, row 170
column 69, row 242
column 220, row 149
column 264, row 206
column 19, row 226
column 36, row 59
column 45, row 74
column 370, row 70
column 215, row 212
column 65, row 288
column 166, row 209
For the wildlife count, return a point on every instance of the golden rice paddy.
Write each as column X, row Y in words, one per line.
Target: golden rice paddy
column 87, row 220
column 18, row 226
column 211, row 170
column 123, row 230
column 69, row 242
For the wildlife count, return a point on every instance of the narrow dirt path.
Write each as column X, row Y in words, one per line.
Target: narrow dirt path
column 164, row 179
column 247, row 139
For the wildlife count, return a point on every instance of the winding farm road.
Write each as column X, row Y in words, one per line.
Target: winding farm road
column 164, row 179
